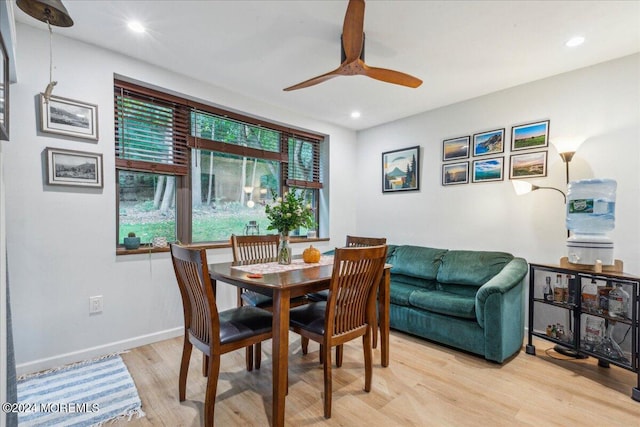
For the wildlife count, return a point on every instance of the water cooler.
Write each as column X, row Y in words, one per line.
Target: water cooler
column 591, row 207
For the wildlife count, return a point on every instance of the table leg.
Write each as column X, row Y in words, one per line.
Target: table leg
column 383, row 310
column 280, row 344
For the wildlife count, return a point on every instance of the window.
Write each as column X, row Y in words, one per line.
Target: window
column 197, row 174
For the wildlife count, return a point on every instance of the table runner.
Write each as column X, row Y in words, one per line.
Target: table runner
column 274, row 267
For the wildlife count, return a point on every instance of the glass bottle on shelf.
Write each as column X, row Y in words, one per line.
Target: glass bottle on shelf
column 594, row 330
column 558, row 290
column 589, row 296
column 618, row 302
column 548, row 290
column 609, row 348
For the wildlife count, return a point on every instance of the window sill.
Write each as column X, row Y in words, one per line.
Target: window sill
column 218, row 245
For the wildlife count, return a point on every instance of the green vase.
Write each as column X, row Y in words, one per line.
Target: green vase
column 284, row 250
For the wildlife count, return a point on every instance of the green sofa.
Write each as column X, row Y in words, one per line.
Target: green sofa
column 471, row 300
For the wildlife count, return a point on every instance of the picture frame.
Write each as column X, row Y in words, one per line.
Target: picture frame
column 455, row 148
column 530, row 135
column 64, row 116
column 455, row 173
column 74, row 168
column 4, row 91
column 485, row 170
column 528, row 165
column 488, row 143
column 401, row 170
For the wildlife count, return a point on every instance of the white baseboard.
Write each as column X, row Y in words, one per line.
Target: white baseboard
column 93, row 352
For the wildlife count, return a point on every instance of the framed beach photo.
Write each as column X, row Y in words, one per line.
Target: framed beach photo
column 455, row 173
column 455, row 148
column 528, row 165
column 68, row 117
column 531, row 135
column 74, row 168
column 401, row 170
column 488, row 143
column 488, row 170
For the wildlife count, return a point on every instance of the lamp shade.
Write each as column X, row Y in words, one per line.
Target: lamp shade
column 51, row 11
column 522, row 187
column 567, row 144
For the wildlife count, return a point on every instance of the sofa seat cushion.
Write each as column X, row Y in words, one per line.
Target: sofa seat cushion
column 473, row 268
column 400, row 292
column 444, row 303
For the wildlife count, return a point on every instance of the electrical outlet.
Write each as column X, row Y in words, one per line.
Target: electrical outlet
column 95, row 304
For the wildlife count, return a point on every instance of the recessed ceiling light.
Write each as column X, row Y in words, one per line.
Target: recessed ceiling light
column 355, row 114
column 136, row 27
column 575, row 41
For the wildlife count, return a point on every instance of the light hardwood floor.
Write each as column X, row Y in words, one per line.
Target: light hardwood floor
column 425, row 385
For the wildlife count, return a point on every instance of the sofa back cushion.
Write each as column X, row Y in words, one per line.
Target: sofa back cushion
column 416, row 261
column 472, row 268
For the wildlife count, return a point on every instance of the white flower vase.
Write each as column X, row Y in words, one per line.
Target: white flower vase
column 284, row 250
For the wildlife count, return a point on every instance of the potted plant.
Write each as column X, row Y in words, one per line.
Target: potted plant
column 132, row 242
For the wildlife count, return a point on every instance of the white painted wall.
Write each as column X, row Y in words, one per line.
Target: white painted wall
column 61, row 242
column 601, row 102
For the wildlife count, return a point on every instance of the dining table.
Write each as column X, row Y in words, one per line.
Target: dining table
column 282, row 283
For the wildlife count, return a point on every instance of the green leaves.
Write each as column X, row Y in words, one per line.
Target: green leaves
column 288, row 213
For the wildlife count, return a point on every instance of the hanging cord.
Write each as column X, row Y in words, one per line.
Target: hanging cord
column 49, row 89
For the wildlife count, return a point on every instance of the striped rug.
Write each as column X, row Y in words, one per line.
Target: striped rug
column 83, row 394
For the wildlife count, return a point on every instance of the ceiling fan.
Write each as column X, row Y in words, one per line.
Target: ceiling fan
column 353, row 47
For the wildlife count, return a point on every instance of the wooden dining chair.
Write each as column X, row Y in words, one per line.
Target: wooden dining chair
column 212, row 332
column 352, row 242
column 256, row 249
column 348, row 313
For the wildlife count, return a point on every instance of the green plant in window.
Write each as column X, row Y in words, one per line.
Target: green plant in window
column 288, row 213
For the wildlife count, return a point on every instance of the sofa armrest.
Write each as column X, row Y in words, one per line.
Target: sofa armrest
column 500, row 311
column 510, row 277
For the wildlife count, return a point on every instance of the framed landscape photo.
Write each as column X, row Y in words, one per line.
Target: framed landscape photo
column 488, row 143
column 531, row 135
column 74, row 168
column 455, row 173
column 68, row 117
column 401, row 170
column 455, row 148
column 528, row 165
column 488, row 170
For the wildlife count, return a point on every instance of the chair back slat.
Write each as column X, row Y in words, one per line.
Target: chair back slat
column 255, row 249
column 357, row 271
column 198, row 299
column 357, row 242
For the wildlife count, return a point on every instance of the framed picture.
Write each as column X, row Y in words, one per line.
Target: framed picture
column 401, row 170
column 528, row 165
column 74, row 168
column 4, row 91
column 488, row 170
column 531, row 135
column 455, row 148
column 455, row 173
column 68, row 117
column 487, row 143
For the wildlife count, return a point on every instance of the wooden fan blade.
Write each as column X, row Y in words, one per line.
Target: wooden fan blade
column 391, row 76
column 353, row 30
column 315, row 80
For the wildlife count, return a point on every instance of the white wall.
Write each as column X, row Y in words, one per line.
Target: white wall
column 601, row 102
column 61, row 242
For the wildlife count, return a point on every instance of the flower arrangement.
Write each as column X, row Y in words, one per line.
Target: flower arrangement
column 288, row 213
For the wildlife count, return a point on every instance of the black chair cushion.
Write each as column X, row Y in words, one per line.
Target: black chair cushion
column 255, row 299
column 319, row 296
column 242, row 322
column 309, row 317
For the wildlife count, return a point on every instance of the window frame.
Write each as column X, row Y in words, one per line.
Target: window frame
column 183, row 203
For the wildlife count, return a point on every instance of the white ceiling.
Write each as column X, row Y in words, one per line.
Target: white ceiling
column 460, row 49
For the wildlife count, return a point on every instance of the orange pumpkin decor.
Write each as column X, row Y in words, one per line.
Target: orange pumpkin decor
column 311, row 255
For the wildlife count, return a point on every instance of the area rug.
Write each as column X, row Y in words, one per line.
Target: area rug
column 83, row 394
